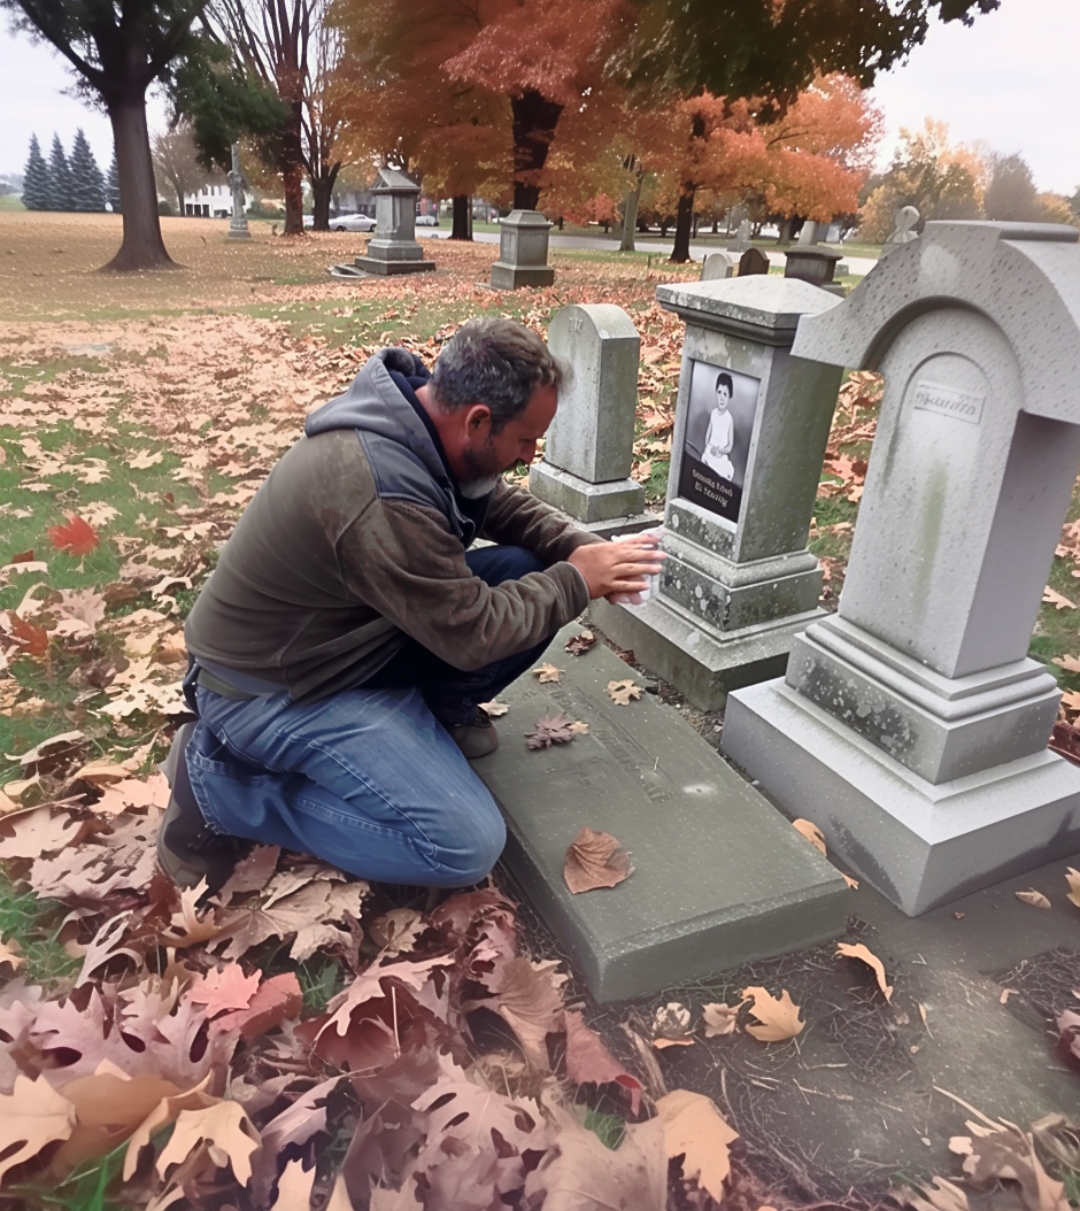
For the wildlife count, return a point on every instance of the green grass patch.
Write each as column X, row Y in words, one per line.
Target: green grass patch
column 34, row 925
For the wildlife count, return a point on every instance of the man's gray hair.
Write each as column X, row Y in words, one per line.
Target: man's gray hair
column 497, row 362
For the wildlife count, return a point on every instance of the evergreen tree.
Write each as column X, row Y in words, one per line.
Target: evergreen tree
column 60, row 185
column 112, row 187
column 36, row 179
column 88, row 185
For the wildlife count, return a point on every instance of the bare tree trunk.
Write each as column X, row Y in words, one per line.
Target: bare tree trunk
column 292, row 172
column 629, row 223
column 535, row 119
column 462, row 229
column 142, row 246
column 322, row 190
column 680, row 254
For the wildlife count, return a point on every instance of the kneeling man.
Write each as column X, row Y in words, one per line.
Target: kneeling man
column 343, row 643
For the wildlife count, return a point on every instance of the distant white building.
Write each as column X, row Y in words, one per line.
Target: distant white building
column 210, row 202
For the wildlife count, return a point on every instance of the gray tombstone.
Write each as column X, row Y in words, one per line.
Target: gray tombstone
column 912, row 726
column 393, row 248
column 753, row 262
column 238, row 224
column 811, row 233
column 751, row 423
column 523, row 252
column 588, row 452
column 814, row 264
column 717, row 266
column 741, row 242
column 905, row 219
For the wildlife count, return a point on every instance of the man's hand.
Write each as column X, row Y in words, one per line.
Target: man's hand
column 618, row 567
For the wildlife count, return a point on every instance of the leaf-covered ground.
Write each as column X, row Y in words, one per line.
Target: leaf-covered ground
column 302, row 1036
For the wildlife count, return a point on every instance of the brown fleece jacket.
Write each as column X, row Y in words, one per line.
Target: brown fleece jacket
column 357, row 539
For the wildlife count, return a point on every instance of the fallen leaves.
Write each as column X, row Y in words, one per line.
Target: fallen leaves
column 695, row 1130
column 719, row 1019
column 811, row 832
column 778, row 1018
column 595, row 860
column 578, row 644
column 76, row 536
column 1058, row 600
column 547, row 673
column 588, row 1060
column 32, row 1116
column 551, row 729
column 1035, row 898
column 623, row 692
column 865, row 955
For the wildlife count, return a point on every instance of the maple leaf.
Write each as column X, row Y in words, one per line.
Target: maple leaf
column 695, row 1130
column 1035, row 898
column 622, row 693
column 779, row 1018
column 493, row 709
column 595, row 860
column 223, row 989
column 551, row 729
column 547, row 672
column 865, row 955
column 578, row 644
column 719, row 1019
column 32, row 639
column 31, row 1116
column 77, row 537
column 276, row 1000
column 811, row 832
column 588, row 1061
column 225, row 1127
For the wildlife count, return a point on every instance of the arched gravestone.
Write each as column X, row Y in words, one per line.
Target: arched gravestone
column 912, row 726
column 589, row 449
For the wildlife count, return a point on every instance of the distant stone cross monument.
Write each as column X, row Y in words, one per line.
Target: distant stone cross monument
column 905, row 219
column 911, row 726
column 238, row 225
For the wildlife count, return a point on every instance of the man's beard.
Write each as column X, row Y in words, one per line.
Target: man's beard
column 483, row 474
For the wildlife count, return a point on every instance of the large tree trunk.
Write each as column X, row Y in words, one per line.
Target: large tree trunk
column 292, row 171
column 462, row 229
column 322, row 190
column 142, row 246
column 684, row 215
column 535, row 119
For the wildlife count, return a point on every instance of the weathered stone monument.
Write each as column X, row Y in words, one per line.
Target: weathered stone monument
column 741, row 240
column 904, row 232
column 751, row 424
column 523, row 252
column 814, row 264
column 911, row 726
column 717, row 266
column 811, row 233
column 753, row 262
column 393, row 248
column 238, row 224
column 588, row 452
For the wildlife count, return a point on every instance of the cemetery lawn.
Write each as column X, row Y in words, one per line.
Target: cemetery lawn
column 138, row 415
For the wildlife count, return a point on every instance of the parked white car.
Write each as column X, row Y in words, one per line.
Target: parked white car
column 427, row 220
column 352, row 222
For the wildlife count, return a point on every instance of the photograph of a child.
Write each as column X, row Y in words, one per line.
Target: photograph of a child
column 719, row 426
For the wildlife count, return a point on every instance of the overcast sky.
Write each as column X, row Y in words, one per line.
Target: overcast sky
column 1008, row 81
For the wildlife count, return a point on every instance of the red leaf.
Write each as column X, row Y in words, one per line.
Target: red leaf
column 589, row 1061
column 78, row 537
column 33, row 640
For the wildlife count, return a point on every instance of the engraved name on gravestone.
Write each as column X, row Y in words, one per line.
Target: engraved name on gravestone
column 912, row 725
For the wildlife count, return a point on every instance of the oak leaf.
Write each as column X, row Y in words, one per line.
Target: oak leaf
column 1071, row 664
column 31, row 1116
column 588, row 1061
column 36, row 832
column 225, row 1127
column 623, row 692
column 11, row 953
column 76, row 536
column 294, row 1187
column 1035, row 898
column 865, row 955
column 778, row 1017
column 547, row 672
column 224, row 989
column 811, row 832
column 1052, row 597
column 595, row 860
column 551, row 729
column 697, row 1131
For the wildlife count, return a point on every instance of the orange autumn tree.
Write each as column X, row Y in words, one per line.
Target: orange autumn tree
column 403, row 107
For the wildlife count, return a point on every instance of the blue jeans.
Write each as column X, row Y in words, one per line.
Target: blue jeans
column 368, row 779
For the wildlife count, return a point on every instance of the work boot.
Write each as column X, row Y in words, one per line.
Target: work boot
column 188, row 850
column 475, row 739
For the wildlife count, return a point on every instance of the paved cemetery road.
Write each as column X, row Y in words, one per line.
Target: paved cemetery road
column 860, row 266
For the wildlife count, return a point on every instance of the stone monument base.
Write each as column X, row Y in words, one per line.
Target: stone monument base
column 704, row 664
column 377, row 265
column 720, row 878
column 510, row 277
column 919, row 844
column 589, row 504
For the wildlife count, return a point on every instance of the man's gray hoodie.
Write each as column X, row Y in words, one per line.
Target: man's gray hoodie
column 357, row 539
